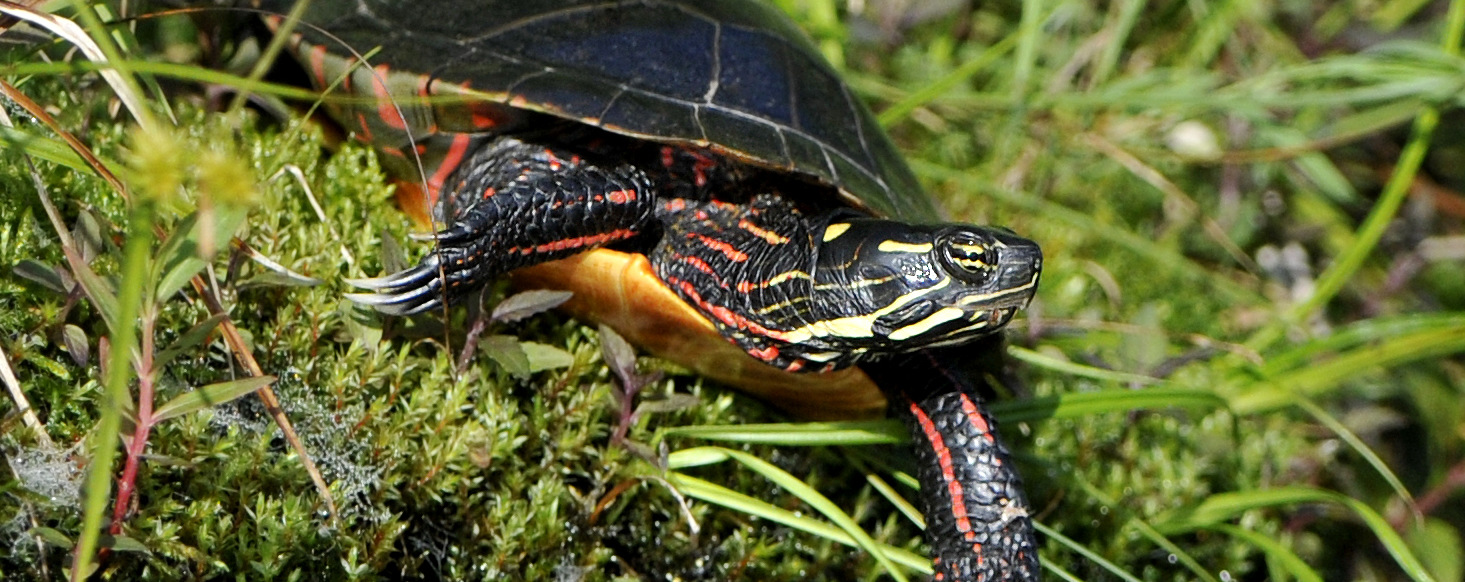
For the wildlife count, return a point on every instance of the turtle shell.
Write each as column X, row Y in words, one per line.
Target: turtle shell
column 732, row 76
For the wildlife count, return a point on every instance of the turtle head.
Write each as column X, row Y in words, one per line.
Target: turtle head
column 924, row 285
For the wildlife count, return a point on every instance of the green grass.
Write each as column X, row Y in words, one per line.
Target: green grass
column 1243, row 363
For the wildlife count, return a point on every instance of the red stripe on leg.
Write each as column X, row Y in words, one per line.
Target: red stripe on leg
column 943, row 456
column 978, row 421
column 584, row 241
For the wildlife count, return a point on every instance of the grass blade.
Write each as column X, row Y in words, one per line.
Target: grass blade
column 801, row 434
column 1280, row 554
column 1081, row 404
column 716, row 494
column 802, row 490
column 98, row 51
column 1227, row 506
column 211, row 395
column 1081, row 550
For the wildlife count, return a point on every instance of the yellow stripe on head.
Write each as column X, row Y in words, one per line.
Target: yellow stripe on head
column 927, row 324
column 833, row 231
column 893, row 246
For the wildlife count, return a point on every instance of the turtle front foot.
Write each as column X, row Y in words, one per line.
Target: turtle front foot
column 516, row 204
column 415, row 290
column 464, row 261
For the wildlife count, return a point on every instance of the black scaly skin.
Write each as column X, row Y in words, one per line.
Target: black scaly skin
column 514, row 204
column 988, row 535
column 720, row 258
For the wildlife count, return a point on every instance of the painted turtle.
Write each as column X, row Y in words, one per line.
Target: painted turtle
column 763, row 206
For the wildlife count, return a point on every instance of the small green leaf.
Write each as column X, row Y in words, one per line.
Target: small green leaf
column 44, row 148
column 226, row 220
column 192, row 244
column 619, row 354
column 76, row 344
column 178, row 260
column 508, row 352
column 545, row 357
column 210, row 395
column 273, row 279
column 52, row 537
column 87, row 232
column 361, row 325
column 165, row 460
column 522, row 305
column 123, row 544
column 1438, row 545
column 394, row 260
column 191, row 338
column 103, row 297
column 91, row 568
column 672, row 403
column 39, row 360
column 695, row 457
column 40, row 273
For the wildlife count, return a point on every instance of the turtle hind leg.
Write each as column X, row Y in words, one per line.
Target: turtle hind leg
column 514, row 204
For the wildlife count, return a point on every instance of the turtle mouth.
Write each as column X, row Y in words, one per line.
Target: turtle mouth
column 1009, row 298
column 976, row 324
column 1001, row 316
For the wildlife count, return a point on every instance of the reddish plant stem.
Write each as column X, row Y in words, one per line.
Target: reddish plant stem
column 127, row 483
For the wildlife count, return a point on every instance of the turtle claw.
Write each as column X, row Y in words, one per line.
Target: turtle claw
column 369, row 282
column 393, row 281
column 392, row 304
column 409, row 292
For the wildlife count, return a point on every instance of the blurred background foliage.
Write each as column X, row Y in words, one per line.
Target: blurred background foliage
column 1243, row 363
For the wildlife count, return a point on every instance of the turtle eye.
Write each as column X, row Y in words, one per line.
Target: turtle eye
column 968, row 257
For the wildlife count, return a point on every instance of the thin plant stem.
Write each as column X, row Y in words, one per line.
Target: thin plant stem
column 119, row 374
column 127, row 483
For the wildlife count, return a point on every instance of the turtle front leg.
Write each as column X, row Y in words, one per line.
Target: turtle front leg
column 514, row 204
column 978, row 521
